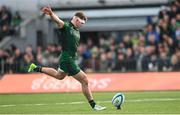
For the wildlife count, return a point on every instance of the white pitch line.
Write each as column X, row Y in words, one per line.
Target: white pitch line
column 7, row 105
column 82, row 102
column 154, row 100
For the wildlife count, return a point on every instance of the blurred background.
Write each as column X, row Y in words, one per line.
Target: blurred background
column 119, row 36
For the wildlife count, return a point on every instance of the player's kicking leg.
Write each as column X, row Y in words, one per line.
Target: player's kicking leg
column 82, row 78
column 49, row 71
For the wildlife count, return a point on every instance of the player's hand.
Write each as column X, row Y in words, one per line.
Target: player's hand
column 47, row 10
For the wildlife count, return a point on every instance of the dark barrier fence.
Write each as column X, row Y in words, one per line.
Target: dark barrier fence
column 96, row 65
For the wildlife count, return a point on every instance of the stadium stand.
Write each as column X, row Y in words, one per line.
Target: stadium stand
column 9, row 22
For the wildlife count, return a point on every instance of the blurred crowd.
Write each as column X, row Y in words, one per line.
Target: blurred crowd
column 9, row 22
column 155, row 48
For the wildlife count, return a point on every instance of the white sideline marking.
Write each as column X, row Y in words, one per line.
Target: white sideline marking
column 82, row 102
column 154, row 100
column 7, row 105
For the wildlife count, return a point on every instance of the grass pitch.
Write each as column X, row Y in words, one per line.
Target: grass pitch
column 158, row 102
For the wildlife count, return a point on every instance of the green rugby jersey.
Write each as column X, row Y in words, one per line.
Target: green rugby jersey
column 70, row 40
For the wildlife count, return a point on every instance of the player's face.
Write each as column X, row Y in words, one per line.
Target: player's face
column 79, row 22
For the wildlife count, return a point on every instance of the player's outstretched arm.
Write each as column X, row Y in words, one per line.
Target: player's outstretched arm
column 48, row 11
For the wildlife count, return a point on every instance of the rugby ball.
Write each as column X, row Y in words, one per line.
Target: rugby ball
column 118, row 100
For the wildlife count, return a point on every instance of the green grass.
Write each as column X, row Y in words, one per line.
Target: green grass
column 158, row 102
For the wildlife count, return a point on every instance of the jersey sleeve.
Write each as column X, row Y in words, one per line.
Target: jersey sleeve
column 65, row 26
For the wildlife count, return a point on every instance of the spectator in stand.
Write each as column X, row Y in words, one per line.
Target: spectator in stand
column 29, row 51
column 5, row 21
column 127, row 42
column 153, row 63
column 135, row 40
column 149, row 50
column 163, row 62
column 9, row 62
column 151, row 30
column 103, row 62
column 164, row 11
column 18, row 57
column 16, row 21
column 178, row 34
column 140, row 58
column 27, row 60
column 120, row 63
column 151, row 41
column 111, row 61
column 173, row 29
column 93, row 62
column 175, row 64
column 9, row 23
column 2, row 60
column 173, row 10
column 177, row 26
column 130, row 60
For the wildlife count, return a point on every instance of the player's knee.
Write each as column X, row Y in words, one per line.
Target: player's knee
column 60, row 76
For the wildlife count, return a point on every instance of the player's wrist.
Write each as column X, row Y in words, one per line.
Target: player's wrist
column 51, row 13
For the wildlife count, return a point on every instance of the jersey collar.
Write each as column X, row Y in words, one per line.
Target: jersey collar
column 73, row 26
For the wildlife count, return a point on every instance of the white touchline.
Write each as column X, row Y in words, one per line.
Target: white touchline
column 82, row 102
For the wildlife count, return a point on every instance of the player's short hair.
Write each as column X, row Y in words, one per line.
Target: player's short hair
column 81, row 15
